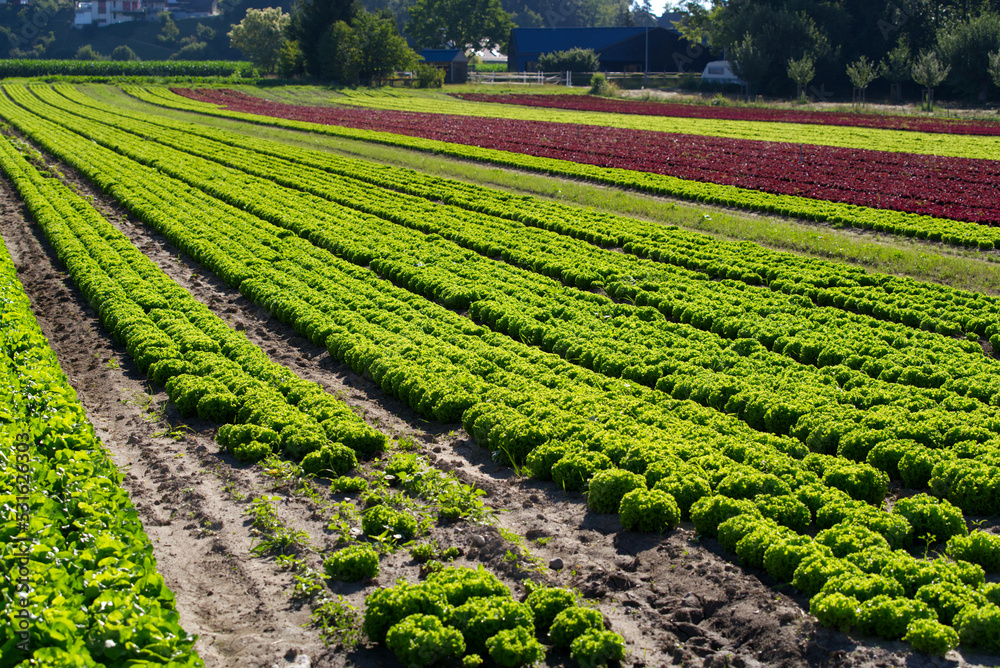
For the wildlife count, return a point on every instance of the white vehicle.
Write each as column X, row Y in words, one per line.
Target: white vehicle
column 720, row 72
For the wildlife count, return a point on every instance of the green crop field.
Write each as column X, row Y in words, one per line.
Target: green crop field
column 403, row 401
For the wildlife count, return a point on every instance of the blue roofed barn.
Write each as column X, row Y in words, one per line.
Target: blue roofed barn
column 452, row 61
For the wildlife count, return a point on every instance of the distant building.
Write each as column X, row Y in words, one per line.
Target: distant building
column 107, row 12
column 452, row 61
column 619, row 49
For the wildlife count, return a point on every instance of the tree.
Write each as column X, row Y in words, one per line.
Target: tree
column 192, row 50
column 574, row 60
column 291, row 62
column 123, row 52
column 311, row 19
column 929, row 73
column 260, row 35
column 749, row 61
column 86, row 52
column 994, row 68
column 168, row 29
column 379, row 49
column 469, row 25
column 801, row 71
column 899, row 67
column 336, row 60
column 965, row 46
column 862, row 73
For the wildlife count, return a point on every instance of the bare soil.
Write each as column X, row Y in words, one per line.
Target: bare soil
column 676, row 599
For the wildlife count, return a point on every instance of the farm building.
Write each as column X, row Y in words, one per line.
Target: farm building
column 619, row 49
column 452, row 61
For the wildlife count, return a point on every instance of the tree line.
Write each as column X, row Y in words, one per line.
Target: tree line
column 779, row 44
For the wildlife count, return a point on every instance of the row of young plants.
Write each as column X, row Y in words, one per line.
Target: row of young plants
column 971, row 376
column 79, row 585
column 917, row 304
column 837, row 214
column 879, row 423
column 207, row 368
column 757, row 114
column 36, row 68
column 560, row 420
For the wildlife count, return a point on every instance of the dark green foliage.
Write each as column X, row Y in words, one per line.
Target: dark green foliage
column 573, row 60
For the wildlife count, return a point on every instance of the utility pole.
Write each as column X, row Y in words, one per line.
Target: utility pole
column 645, row 83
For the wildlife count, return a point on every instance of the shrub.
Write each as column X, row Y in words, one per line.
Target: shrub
column 888, row 617
column 708, row 513
column 429, row 76
column 332, row 459
column 608, row 487
column 461, row 583
column 599, row 85
column 422, row 640
column 835, row 610
column 385, row 608
column 594, row 648
column 572, row 623
column 352, row 564
column 929, row 516
column 515, row 647
column 380, row 519
column 123, row 52
column 547, row 602
column 482, row 618
column 573, row 60
column 931, row 637
column 978, row 547
column 575, row 470
column 649, row 511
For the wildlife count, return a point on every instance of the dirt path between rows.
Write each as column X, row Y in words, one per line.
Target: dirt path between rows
column 677, row 600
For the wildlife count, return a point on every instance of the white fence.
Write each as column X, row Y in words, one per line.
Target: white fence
column 622, row 79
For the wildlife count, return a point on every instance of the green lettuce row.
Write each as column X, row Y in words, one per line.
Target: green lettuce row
column 886, row 297
column 826, row 437
column 454, row 295
column 70, row 536
column 208, row 369
column 974, row 379
column 905, row 224
column 378, row 334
